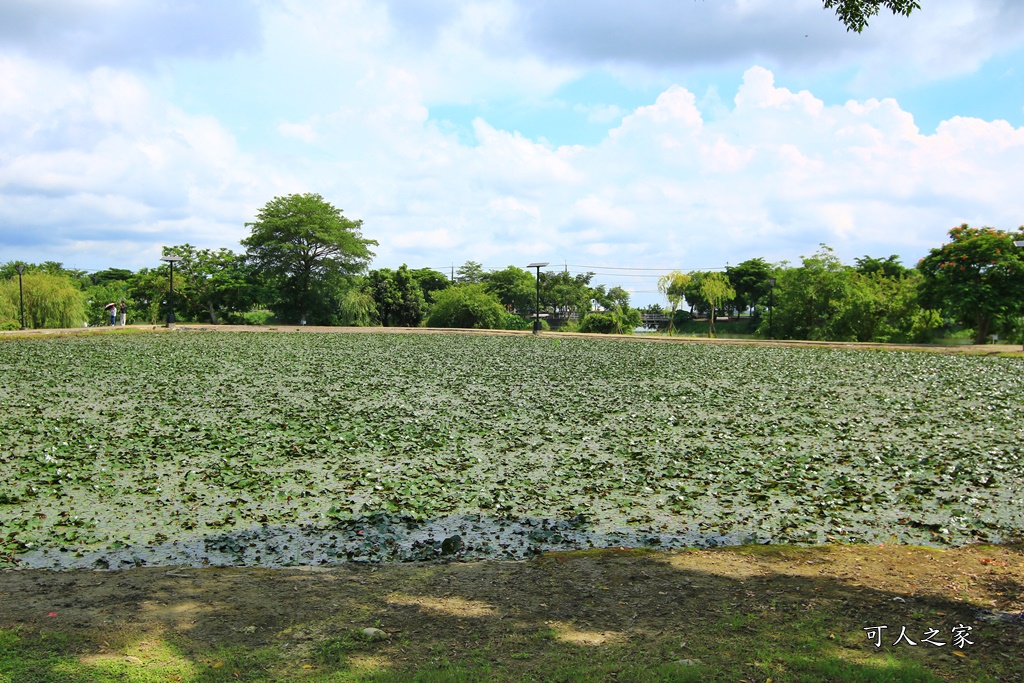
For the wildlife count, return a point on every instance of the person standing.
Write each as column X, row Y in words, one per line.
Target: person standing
column 123, row 310
column 111, row 308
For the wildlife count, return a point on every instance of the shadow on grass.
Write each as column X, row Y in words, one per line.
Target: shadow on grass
column 751, row 614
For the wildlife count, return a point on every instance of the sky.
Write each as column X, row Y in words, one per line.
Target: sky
column 624, row 138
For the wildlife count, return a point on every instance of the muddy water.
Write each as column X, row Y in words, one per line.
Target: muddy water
column 376, row 538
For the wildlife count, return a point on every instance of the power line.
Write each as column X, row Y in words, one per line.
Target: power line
column 573, row 265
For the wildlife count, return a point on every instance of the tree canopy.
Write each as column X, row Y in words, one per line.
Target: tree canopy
column 514, row 287
column 750, row 280
column 211, row 283
column 977, row 277
column 398, row 296
column 855, row 13
column 304, row 245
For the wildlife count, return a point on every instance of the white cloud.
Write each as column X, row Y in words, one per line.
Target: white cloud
column 103, row 164
column 85, row 34
column 95, row 162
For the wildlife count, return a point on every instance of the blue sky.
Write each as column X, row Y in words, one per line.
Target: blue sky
column 655, row 134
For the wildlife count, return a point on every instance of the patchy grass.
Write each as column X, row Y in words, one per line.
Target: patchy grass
column 731, row 614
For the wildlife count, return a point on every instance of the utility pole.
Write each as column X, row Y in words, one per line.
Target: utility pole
column 536, row 310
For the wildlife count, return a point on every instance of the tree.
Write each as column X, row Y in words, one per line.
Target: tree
column 809, row 300
column 514, row 287
column 881, row 308
column 468, row 306
column 715, row 288
column 51, row 301
column 305, row 247
column 889, row 267
column 750, row 281
column 358, row 309
column 470, row 273
column 147, row 294
column 102, row 277
column 567, row 295
column 615, row 320
column 397, row 295
column 430, row 281
column 855, row 13
column 694, row 298
column 977, row 277
column 673, row 287
column 212, row 283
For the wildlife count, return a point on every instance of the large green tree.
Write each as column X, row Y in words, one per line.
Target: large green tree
column 977, row 278
column 397, row 295
column 855, row 13
column 750, row 281
column 514, row 287
column 305, row 248
column 810, row 299
column 470, row 273
column 211, row 284
column 430, row 281
column 565, row 294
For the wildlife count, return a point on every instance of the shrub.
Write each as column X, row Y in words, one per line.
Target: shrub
column 468, row 306
column 602, row 323
column 613, row 321
column 260, row 317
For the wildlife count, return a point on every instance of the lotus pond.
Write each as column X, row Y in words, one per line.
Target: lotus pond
column 201, row 447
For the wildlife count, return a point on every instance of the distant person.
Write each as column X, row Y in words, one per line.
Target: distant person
column 111, row 309
column 123, row 310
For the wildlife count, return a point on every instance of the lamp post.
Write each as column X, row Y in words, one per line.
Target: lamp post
column 771, row 307
column 172, row 260
column 1019, row 243
column 21, row 292
column 536, row 309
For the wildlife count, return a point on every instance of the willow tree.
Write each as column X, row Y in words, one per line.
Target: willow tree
column 673, row 287
column 716, row 290
column 51, row 301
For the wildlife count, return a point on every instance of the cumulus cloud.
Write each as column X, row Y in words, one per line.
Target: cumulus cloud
column 90, row 33
column 779, row 172
column 945, row 37
column 102, row 164
column 99, row 165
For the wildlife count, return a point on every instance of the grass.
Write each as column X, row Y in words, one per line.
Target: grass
column 736, row 647
column 736, row 614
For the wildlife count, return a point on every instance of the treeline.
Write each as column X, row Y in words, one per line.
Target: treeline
column 306, row 263
column 974, row 282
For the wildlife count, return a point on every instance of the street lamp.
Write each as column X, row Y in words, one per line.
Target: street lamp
column 771, row 307
column 172, row 260
column 1018, row 243
column 536, row 309
column 21, row 292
